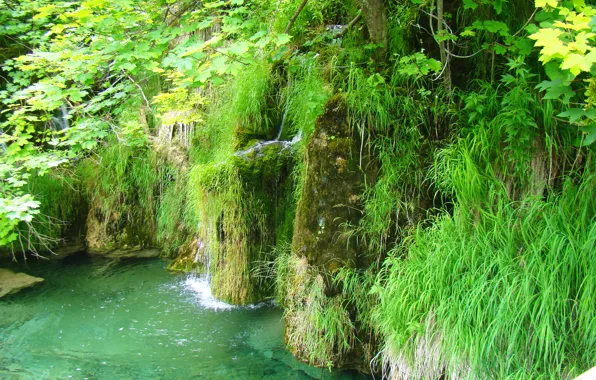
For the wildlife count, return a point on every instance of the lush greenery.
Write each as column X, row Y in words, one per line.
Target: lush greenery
column 191, row 126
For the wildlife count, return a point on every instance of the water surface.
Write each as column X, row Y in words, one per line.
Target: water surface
column 133, row 320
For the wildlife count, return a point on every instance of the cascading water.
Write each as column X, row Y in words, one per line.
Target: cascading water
column 200, row 283
column 277, row 141
column 60, row 122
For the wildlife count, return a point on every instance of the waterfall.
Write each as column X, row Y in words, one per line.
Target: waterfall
column 284, row 144
column 60, row 122
column 3, row 144
column 200, row 283
column 283, row 116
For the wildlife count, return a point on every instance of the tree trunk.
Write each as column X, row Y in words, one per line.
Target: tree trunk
column 376, row 22
column 444, row 57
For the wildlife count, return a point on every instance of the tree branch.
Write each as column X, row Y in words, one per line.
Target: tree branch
column 295, row 17
column 350, row 25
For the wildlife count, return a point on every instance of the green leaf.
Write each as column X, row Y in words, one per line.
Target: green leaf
column 544, row 3
column 576, row 63
column 239, row 48
column 589, row 136
column 282, row 39
column 573, row 114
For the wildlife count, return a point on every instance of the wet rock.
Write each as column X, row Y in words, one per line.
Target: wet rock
column 117, row 234
column 11, row 282
column 129, row 253
column 188, row 259
column 331, row 192
column 66, row 250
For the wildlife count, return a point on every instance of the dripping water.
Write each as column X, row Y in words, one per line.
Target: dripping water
column 277, row 141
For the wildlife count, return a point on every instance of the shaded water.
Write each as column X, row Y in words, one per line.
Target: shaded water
column 133, row 320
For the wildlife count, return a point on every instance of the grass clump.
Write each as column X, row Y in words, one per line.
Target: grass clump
column 307, row 95
column 497, row 292
column 61, row 207
column 120, row 183
column 172, row 231
column 318, row 327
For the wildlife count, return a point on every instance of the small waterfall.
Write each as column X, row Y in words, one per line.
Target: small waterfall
column 200, row 283
column 283, row 116
column 60, row 122
column 200, row 286
column 3, row 144
column 284, row 144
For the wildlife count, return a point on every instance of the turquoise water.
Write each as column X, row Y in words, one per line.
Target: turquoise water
column 133, row 320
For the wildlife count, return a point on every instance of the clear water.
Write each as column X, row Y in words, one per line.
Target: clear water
column 134, row 320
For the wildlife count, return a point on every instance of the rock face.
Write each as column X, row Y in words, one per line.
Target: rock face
column 118, row 236
column 330, row 194
column 330, row 200
column 11, row 282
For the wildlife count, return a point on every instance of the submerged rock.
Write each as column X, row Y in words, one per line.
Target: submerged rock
column 11, row 282
column 66, row 250
column 129, row 253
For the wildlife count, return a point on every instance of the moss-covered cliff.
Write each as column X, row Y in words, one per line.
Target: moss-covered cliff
column 411, row 180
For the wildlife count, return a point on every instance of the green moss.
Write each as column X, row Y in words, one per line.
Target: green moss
column 331, row 192
column 120, row 185
column 236, row 204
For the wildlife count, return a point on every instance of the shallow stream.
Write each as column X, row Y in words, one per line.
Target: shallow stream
column 97, row 319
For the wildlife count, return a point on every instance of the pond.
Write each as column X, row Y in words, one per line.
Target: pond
column 98, row 319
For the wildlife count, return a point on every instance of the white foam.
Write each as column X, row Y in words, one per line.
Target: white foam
column 202, row 289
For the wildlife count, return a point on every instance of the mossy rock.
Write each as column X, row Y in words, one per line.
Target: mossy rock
column 331, row 198
column 238, row 204
column 183, row 263
column 331, row 192
column 241, row 229
column 114, row 232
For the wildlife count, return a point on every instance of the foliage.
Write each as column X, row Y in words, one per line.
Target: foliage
column 70, row 62
column 59, row 204
column 488, row 289
column 568, row 51
column 465, row 119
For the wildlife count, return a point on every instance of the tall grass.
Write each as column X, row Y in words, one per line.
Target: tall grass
column 61, row 207
column 500, row 292
column 121, row 183
column 319, row 328
column 172, row 231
